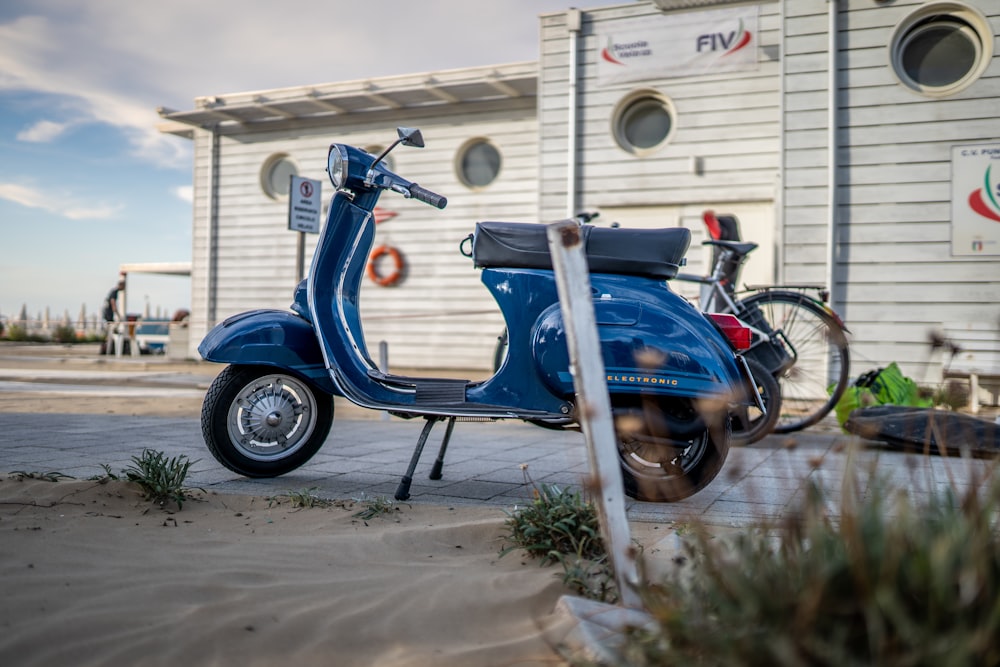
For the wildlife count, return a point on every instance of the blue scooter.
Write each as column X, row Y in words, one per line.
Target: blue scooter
column 673, row 373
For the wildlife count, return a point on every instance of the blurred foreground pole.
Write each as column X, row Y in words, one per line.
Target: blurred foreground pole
column 593, row 405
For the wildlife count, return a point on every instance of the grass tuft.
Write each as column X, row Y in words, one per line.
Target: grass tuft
column 560, row 527
column 161, row 479
column 374, row 506
column 51, row 476
column 305, row 499
column 889, row 581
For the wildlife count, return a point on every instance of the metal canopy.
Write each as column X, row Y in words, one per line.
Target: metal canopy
column 163, row 268
column 411, row 91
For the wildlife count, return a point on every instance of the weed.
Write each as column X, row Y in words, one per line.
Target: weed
column 589, row 578
column 161, row 479
column 560, row 527
column 890, row 582
column 558, row 521
column 304, row 499
column 52, row 476
column 373, row 507
column 108, row 476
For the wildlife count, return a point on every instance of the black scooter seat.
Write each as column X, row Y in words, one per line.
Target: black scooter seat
column 653, row 253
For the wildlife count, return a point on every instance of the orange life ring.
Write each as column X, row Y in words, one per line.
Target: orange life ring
column 390, row 278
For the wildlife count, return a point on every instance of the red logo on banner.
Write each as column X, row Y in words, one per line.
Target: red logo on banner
column 983, row 201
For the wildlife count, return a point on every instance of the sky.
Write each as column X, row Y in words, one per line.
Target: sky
column 87, row 182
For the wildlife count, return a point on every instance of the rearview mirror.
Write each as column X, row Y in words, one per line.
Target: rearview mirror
column 410, row 136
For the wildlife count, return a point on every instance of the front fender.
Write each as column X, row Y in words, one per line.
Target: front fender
column 268, row 338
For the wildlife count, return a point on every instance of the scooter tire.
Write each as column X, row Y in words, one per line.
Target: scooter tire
column 648, row 475
column 261, row 421
column 749, row 425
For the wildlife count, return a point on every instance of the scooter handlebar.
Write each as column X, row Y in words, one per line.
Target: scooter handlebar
column 427, row 196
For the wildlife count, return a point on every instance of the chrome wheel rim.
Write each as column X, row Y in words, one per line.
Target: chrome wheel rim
column 649, row 459
column 271, row 417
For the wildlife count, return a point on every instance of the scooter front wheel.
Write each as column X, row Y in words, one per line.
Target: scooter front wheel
column 261, row 422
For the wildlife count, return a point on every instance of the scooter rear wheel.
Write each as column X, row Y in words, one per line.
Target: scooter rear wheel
column 261, row 422
column 669, row 452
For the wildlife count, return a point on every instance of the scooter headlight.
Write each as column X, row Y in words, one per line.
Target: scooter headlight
column 336, row 165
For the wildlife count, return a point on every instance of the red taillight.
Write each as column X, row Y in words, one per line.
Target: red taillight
column 738, row 333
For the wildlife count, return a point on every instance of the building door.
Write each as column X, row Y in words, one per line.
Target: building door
column 757, row 225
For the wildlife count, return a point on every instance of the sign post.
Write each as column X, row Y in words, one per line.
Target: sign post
column 304, row 209
column 590, row 383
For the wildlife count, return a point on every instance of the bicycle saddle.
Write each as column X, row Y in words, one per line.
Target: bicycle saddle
column 738, row 248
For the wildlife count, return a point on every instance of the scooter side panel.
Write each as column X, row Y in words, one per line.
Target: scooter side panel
column 651, row 340
column 268, row 338
column 522, row 295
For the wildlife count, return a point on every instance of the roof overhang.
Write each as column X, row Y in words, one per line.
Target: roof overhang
column 162, row 268
column 255, row 110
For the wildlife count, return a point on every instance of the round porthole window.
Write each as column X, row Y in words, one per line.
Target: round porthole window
column 941, row 48
column 478, row 163
column 275, row 175
column 643, row 121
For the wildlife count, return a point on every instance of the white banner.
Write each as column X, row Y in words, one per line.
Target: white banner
column 975, row 200
column 678, row 44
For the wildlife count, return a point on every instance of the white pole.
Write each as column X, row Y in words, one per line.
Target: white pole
column 593, row 404
column 833, row 180
column 573, row 22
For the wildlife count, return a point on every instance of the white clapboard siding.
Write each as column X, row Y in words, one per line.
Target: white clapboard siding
column 897, row 280
column 439, row 315
column 729, row 121
column 761, row 137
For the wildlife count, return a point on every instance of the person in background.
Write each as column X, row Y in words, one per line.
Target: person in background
column 111, row 311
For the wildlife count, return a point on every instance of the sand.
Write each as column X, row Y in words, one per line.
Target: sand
column 94, row 574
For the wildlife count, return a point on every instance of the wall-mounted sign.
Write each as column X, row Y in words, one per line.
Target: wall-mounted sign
column 975, row 200
column 678, row 44
column 304, row 205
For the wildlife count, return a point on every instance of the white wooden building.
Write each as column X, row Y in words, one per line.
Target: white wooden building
column 854, row 139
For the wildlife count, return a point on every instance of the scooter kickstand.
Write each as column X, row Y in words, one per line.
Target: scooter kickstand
column 439, row 462
column 403, row 490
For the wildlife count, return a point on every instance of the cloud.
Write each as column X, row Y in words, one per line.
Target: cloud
column 42, row 132
column 184, row 193
column 116, row 61
column 56, row 203
column 96, row 87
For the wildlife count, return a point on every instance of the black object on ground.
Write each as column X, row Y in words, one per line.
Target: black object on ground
column 926, row 429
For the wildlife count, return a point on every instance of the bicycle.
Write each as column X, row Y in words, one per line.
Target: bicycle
column 798, row 338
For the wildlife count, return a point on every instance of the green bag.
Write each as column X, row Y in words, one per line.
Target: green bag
column 885, row 386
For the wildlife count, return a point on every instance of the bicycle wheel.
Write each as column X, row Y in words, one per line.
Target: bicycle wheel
column 817, row 375
column 749, row 425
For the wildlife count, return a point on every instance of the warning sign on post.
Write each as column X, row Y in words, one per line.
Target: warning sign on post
column 304, row 205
